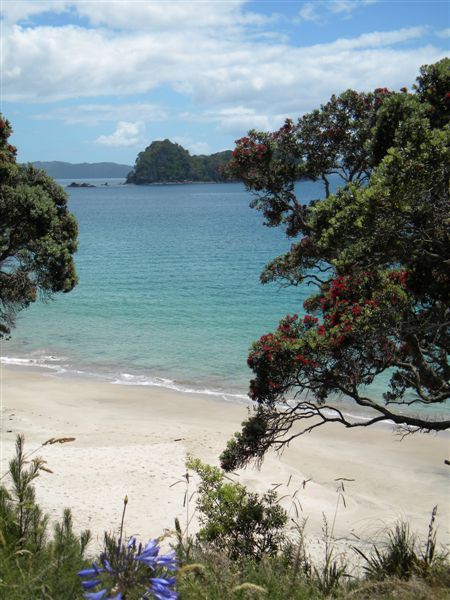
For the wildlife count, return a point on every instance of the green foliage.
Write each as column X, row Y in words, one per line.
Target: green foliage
column 164, row 161
column 331, row 573
column 31, row 564
column 38, row 236
column 401, row 557
column 214, row 576
column 233, row 520
column 433, row 85
column 291, row 575
column 378, row 252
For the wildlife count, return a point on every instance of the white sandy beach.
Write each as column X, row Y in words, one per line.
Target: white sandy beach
column 134, row 440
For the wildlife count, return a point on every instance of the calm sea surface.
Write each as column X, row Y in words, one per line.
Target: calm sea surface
column 169, row 290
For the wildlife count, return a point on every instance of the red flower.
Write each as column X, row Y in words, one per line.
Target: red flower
column 356, row 310
column 309, row 320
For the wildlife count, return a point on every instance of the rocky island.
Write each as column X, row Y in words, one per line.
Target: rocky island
column 74, row 184
column 167, row 162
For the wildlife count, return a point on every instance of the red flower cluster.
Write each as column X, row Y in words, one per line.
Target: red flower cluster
column 339, row 287
column 299, row 358
column 285, row 327
column 283, row 131
column 356, row 310
column 309, row 321
column 400, row 277
column 379, row 93
column 246, row 148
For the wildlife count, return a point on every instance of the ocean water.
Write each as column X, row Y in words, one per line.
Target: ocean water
column 169, row 290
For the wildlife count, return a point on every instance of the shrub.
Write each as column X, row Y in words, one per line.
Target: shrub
column 235, row 521
column 401, row 556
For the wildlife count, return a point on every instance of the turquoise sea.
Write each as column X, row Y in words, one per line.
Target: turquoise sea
column 169, row 290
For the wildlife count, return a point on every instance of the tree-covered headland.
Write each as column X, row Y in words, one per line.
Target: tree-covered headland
column 377, row 253
column 38, row 235
column 166, row 162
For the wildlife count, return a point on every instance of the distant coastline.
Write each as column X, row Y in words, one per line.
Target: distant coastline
column 101, row 170
column 187, row 182
column 85, row 184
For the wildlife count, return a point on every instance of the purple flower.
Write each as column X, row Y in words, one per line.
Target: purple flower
column 95, row 595
column 88, row 585
column 161, row 588
column 89, row 572
column 126, row 567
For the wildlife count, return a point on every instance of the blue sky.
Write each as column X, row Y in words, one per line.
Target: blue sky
column 89, row 80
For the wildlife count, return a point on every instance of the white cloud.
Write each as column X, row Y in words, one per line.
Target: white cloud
column 308, row 12
column 92, row 114
column 229, row 76
column 147, row 15
column 443, row 33
column 126, row 134
column 320, row 11
column 239, row 119
column 23, row 10
column 378, row 39
column 347, row 6
column 168, row 14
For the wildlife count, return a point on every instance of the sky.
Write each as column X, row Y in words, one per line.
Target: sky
column 91, row 80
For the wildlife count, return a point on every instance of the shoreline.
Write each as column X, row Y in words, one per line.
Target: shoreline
column 133, row 440
column 54, row 366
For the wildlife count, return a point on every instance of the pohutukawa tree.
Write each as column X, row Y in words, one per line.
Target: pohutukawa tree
column 38, row 235
column 378, row 252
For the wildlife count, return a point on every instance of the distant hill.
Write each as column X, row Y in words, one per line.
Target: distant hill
column 166, row 162
column 65, row 170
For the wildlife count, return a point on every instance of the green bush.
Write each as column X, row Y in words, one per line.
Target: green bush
column 235, row 521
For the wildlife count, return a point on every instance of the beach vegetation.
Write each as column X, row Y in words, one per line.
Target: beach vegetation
column 292, row 574
column 233, row 520
column 130, row 570
column 402, row 556
column 38, row 235
column 377, row 254
column 34, row 563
